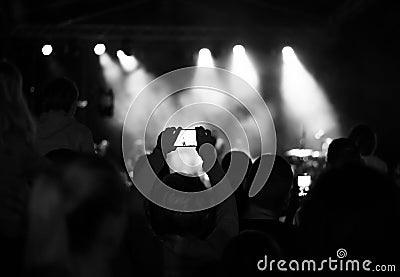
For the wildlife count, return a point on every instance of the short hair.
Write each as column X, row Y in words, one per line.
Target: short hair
column 342, row 151
column 226, row 160
column 236, row 179
column 277, row 187
column 59, row 95
column 364, row 138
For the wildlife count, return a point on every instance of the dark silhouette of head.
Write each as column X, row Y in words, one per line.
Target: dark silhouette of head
column 274, row 194
column 228, row 156
column 364, row 138
column 167, row 222
column 236, row 178
column 342, row 152
column 60, row 94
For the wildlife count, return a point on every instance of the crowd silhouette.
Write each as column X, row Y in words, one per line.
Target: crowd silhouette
column 65, row 211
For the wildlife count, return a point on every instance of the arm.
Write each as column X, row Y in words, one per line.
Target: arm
column 148, row 167
column 227, row 222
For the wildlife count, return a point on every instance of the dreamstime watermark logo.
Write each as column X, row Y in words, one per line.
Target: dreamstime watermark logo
column 330, row 264
column 341, row 253
column 202, row 80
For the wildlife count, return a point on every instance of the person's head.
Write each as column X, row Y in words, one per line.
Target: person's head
column 355, row 208
column 14, row 114
column 226, row 160
column 342, row 152
column 364, row 138
column 243, row 253
column 275, row 193
column 60, row 94
column 167, row 222
column 236, row 178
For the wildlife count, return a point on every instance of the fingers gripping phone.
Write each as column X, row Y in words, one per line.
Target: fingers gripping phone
column 186, row 138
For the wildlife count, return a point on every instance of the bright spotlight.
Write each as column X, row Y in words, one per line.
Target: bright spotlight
column 112, row 71
column 99, row 49
column 128, row 63
column 205, row 58
column 287, row 50
column 120, row 54
column 288, row 55
column 82, row 104
column 47, row 49
column 239, row 50
column 243, row 67
column 305, row 101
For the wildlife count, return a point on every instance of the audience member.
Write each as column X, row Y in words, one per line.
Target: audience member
column 342, row 152
column 190, row 241
column 18, row 163
column 57, row 128
column 354, row 208
column 366, row 141
column 77, row 219
column 265, row 208
column 240, row 191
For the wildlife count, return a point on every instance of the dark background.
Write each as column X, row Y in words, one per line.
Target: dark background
column 350, row 46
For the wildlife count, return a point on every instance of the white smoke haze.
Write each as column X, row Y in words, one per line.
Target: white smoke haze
column 187, row 108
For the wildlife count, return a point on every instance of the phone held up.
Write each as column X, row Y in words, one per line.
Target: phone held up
column 303, row 183
column 186, row 138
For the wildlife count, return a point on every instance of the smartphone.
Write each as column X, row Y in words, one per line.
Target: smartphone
column 186, row 138
column 303, row 182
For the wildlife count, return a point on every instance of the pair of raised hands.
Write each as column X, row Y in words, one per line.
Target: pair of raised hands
column 205, row 143
column 167, row 138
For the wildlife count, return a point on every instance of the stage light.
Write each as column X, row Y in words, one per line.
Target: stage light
column 305, row 102
column 239, row 50
column 205, row 58
column 99, row 49
column 128, row 63
column 82, row 104
column 288, row 54
column 111, row 69
column 47, row 49
column 316, row 154
column 120, row 54
column 243, row 67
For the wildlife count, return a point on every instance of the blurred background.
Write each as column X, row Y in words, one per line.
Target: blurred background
column 321, row 66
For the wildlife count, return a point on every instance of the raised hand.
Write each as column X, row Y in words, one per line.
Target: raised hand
column 167, row 138
column 205, row 147
column 204, row 136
